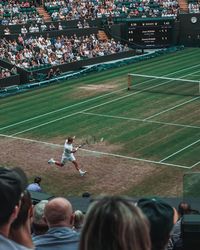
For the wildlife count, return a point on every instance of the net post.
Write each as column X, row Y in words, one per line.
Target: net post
column 129, row 81
column 199, row 87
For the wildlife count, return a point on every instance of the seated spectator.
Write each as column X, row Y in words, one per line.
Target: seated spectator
column 78, row 220
column 35, row 186
column 31, row 77
column 50, row 74
column 57, row 72
column 60, row 26
column 12, row 186
column 39, row 225
column 85, row 24
column 161, row 218
column 31, row 29
column 52, row 27
column 79, row 25
column 24, row 30
column 6, row 31
column 20, row 231
column 43, row 27
column 175, row 241
column 13, row 71
column 7, row 73
column 36, row 28
column 115, row 223
column 58, row 214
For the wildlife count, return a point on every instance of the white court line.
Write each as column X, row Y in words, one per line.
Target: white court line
column 144, row 120
column 61, row 109
column 195, row 164
column 95, row 98
column 98, row 152
column 176, row 106
column 46, row 123
column 141, row 120
column 177, row 152
column 96, row 106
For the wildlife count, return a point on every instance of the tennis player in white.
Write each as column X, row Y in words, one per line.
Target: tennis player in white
column 68, row 155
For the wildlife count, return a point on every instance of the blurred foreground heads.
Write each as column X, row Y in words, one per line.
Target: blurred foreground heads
column 161, row 218
column 115, row 223
column 58, row 214
column 12, row 185
column 39, row 224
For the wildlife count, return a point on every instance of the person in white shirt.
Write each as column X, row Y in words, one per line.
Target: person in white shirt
column 24, row 31
column 68, row 155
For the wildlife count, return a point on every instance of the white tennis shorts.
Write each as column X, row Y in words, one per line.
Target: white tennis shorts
column 67, row 158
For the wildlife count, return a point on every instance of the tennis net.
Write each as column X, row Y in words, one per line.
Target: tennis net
column 161, row 84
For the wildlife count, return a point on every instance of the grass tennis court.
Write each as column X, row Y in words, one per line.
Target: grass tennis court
column 150, row 139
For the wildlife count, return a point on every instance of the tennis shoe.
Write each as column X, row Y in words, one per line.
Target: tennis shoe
column 82, row 173
column 51, row 161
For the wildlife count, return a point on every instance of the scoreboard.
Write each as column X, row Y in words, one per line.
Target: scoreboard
column 147, row 33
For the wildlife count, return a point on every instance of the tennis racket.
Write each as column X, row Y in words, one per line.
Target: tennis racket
column 90, row 140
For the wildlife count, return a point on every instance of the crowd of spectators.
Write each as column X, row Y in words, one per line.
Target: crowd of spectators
column 36, row 51
column 110, row 222
column 4, row 72
column 194, row 7
column 68, row 10
column 13, row 12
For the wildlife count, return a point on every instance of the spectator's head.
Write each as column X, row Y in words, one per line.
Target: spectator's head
column 184, row 208
column 161, row 219
column 37, row 180
column 12, row 186
column 25, row 211
column 39, row 225
column 78, row 220
column 21, row 227
column 58, row 212
column 115, row 223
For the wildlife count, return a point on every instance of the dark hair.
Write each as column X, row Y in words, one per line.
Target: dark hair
column 161, row 218
column 12, row 184
column 37, row 179
column 22, row 217
column 115, row 223
column 184, row 208
column 70, row 139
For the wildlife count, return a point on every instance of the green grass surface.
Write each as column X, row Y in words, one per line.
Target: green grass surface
column 152, row 127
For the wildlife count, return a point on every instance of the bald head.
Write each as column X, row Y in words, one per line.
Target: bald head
column 58, row 212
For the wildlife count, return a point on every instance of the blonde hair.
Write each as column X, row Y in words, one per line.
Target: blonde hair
column 115, row 223
column 78, row 219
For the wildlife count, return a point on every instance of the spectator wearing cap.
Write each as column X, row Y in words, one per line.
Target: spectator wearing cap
column 20, row 231
column 12, row 186
column 39, row 225
column 58, row 214
column 35, row 186
column 161, row 218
